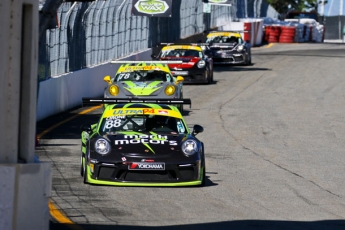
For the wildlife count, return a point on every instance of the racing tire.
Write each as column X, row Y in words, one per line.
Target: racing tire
column 208, row 77
column 84, row 171
column 203, row 164
column 250, row 60
column 81, row 165
column 203, row 182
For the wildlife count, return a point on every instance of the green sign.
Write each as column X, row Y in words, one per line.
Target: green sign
column 153, row 8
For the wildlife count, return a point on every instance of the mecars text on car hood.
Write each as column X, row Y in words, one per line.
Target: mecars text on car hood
column 146, row 143
column 187, row 62
column 142, row 88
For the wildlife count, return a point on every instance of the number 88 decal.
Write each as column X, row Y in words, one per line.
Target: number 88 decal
column 110, row 123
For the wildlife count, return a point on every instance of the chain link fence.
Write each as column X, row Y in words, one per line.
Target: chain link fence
column 92, row 33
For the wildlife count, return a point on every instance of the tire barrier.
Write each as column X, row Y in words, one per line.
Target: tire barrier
column 273, row 34
column 293, row 30
column 287, row 34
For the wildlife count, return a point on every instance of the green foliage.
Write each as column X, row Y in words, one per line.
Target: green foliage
column 283, row 6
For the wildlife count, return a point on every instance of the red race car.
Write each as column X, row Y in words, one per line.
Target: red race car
column 196, row 66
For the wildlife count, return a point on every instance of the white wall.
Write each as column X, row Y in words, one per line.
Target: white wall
column 61, row 93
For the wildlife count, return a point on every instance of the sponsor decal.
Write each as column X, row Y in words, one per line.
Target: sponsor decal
column 163, row 112
column 180, row 73
column 149, row 111
column 147, row 160
column 136, row 68
column 145, row 139
column 123, row 159
column 127, row 111
column 153, row 8
column 146, row 166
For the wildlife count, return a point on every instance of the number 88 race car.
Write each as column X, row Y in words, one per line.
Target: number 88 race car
column 141, row 143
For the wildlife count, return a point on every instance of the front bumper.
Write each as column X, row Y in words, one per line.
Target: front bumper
column 233, row 58
column 118, row 174
column 191, row 76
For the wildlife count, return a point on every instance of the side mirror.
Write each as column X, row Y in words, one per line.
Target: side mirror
column 107, row 79
column 86, row 128
column 197, row 129
column 179, row 79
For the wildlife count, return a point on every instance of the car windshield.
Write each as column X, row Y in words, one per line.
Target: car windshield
column 142, row 123
column 180, row 53
column 152, row 75
column 224, row 39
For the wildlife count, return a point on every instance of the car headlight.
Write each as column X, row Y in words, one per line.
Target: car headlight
column 201, row 64
column 240, row 48
column 114, row 90
column 189, row 147
column 102, row 146
column 170, row 90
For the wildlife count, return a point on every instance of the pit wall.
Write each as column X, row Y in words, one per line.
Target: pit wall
column 61, row 93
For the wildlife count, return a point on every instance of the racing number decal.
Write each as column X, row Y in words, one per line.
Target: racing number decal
column 114, row 121
column 124, row 76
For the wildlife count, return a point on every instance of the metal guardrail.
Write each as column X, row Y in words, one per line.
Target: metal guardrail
column 92, row 33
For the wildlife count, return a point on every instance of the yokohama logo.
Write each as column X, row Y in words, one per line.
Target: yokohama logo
column 146, row 166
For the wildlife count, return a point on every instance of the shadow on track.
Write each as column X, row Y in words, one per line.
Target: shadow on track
column 226, row 225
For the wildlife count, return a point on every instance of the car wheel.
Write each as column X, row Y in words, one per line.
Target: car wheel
column 84, row 171
column 203, row 182
column 81, row 165
column 203, row 165
column 208, row 76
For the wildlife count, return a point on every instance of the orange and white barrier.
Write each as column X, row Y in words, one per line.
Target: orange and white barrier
column 251, row 29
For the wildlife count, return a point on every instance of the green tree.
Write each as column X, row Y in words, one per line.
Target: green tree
column 283, row 6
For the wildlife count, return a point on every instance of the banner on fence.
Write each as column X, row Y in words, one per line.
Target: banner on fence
column 220, row 2
column 152, row 8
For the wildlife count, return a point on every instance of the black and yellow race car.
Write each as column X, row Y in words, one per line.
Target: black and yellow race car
column 141, row 143
column 228, row 47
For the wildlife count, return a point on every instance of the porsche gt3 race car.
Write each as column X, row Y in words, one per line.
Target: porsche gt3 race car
column 141, row 143
column 228, row 47
column 196, row 67
column 143, row 79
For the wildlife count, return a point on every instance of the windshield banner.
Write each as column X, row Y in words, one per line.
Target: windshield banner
column 152, row 8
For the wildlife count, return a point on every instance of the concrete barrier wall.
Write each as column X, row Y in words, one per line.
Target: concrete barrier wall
column 65, row 92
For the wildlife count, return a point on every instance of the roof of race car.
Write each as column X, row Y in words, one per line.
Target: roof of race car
column 223, row 33
column 141, row 109
column 143, row 67
column 186, row 47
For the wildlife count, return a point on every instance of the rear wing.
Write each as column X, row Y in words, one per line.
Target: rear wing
column 228, row 31
column 98, row 101
column 184, row 44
